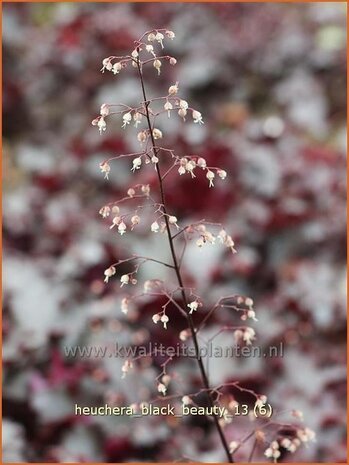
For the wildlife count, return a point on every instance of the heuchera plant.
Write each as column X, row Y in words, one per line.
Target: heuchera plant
column 133, row 209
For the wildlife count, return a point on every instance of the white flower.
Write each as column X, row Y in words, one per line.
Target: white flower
column 135, row 220
column 233, row 445
column 160, row 37
column 168, row 106
column 170, row 34
column 104, row 211
column 200, row 242
column 182, row 112
column 115, row 209
column 115, row 222
column 222, row 174
column 210, row 176
column 173, row 220
column 306, row 435
column 150, row 49
column 104, row 110
column 105, row 168
column 157, row 134
column 248, row 302
column 122, row 228
column 162, row 388
column 131, row 192
column 252, row 314
column 222, row 235
column 181, row 170
column 286, row 443
column 137, row 118
column 125, row 279
column 156, row 318
column 155, row 227
column 151, row 37
column 102, row 125
column 295, row 443
column 127, row 118
column 166, row 380
column 249, row 335
column 154, row 159
column 157, row 65
column 172, row 90
column 136, row 164
column 125, row 368
column 197, row 117
column 193, row 306
column 209, row 237
column 173, row 61
column 273, row 451
column 190, row 166
column 145, row 189
column 230, row 243
column 134, row 53
column 183, row 104
column 117, row 67
column 106, row 64
column 124, row 305
column 108, row 273
column 164, row 320
column 142, row 136
column 202, row 163
column 186, row 400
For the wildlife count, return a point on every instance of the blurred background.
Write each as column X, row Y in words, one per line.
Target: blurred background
column 269, row 80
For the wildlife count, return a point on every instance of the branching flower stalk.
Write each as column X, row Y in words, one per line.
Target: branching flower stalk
column 165, row 161
column 176, row 267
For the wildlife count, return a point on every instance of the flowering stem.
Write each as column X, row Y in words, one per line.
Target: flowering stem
column 178, row 273
column 252, row 451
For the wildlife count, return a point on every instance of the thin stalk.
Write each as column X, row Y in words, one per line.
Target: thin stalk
column 178, row 273
column 252, row 451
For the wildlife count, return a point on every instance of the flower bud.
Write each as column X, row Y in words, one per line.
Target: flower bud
column 222, row 174
column 155, row 227
column 170, row 34
column 142, row 136
column 172, row 90
column 168, row 106
column 117, row 67
column 202, row 163
column 157, row 134
column 197, row 117
column 122, row 228
column 137, row 118
column 125, row 279
column 210, row 176
column 157, row 65
column 104, row 110
column 160, row 37
column 136, row 164
column 182, row 113
column 108, row 273
column 127, row 118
